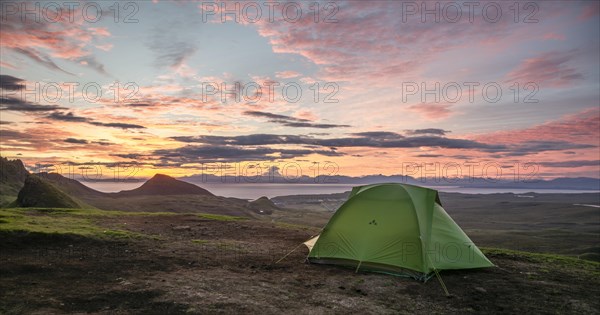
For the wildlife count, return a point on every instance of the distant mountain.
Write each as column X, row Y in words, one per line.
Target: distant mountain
column 165, row 185
column 566, row 183
column 38, row 192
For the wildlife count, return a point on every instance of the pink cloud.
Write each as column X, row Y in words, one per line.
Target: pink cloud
column 547, row 69
column 306, row 114
column 105, row 47
column 554, row 36
column 432, row 111
column 100, row 31
column 582, row 127
column 7, row 65
column 63, row 39
column 287, row 74
column 591, row 10
column 370, row 43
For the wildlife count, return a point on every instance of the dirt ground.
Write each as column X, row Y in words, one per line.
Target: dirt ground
column 193, row 265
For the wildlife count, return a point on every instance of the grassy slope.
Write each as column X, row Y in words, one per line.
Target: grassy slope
column 582, row 266
column 79, row 222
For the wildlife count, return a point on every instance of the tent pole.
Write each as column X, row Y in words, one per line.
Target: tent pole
column 437, row 274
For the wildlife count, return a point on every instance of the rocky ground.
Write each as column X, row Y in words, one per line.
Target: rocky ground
column 182, row 263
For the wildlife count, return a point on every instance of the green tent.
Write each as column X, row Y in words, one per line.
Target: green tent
column 395, row 228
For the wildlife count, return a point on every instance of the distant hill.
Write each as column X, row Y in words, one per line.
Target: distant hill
column 12, row 178
column 165, row 185
column 69, row 186
column 262, row 205
column 160, row 193
column 38, row 192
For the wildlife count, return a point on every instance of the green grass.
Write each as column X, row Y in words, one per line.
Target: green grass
column 114, row 213
column 78, row 221
column 567, row 262
column 6, row 200
column 56, row 221
column 218, row 217
column 87, row 212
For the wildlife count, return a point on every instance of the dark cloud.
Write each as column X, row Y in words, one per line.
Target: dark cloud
column 431, row 131
column 577, row 163
column 12, row 135
column 133, row 156
column 139, row 105
column 103, row 143
column 382, row 139
column 210, row 153
column 70, row 117
column 365, row 140
column 11, row 83
column 76, row 141
column 272, row 116
column 19, row 105
column 462, row 157
column 429, row 155
column 117, row 125
column 532, row 147
column 308, row 125
column 378, row 134
column 290, row 121
column 66, row 117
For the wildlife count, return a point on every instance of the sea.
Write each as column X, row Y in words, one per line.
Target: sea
column 254, row 191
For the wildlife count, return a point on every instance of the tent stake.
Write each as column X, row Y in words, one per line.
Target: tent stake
column 356, row 271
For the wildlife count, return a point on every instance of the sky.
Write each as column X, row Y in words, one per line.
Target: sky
column 480, row 88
